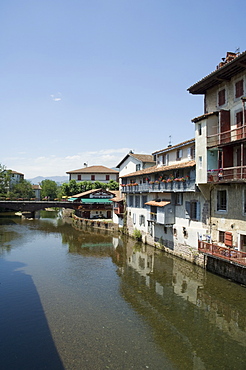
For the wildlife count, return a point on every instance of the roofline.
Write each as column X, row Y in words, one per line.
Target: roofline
column 203, row 116
column 132, row 155
column 221, row 74
column 175, row 146
column 156, row 169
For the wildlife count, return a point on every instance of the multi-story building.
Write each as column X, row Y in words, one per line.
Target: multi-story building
column 164, row 203
column 94, row 173
column 221, row 150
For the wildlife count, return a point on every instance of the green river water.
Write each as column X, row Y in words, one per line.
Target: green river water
column 84, row 299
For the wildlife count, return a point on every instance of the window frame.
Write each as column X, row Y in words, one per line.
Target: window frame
column 223, row 97
column 222, row 204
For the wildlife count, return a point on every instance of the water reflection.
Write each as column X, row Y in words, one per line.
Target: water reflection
column 98, row 280
column 197, row 318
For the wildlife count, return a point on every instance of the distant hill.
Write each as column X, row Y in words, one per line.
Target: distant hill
column 58, row 179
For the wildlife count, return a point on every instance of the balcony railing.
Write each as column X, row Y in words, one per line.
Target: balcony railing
column 237, row 133
column 227, row 174
column 174, row 186
column 224, row 253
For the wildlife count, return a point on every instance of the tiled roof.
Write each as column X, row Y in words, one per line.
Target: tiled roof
column 94, row 169
column 158, row 204
column 88, row 192
column 16, row 173
column 176, row 146
column 223, row 73
column 156, row 169
column 36, row 187
column 141, row 157
column 205, row 115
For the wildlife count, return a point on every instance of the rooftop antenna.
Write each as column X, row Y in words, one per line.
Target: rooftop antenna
column 237, row 51
column 86, row 164
column 170, row 140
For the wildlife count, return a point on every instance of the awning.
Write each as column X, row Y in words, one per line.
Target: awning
column 95, row 201
column 157, row 204
column 72, row 199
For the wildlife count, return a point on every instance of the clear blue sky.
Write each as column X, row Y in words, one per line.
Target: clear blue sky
column 88, row 80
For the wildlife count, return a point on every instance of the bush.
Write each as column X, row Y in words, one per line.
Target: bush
column 137, row 234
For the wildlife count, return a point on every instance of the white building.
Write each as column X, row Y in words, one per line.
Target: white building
column 94, row 173
column 221, row 149
column 164, row 203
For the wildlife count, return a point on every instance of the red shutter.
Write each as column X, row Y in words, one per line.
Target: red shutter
column 221, row 97
column 225, row 126
column 239, row 88
column 228, row 239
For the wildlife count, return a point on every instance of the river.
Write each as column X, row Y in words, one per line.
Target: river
column 84, row 299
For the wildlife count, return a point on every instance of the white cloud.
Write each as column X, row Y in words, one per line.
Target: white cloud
column 58, row 166
column 56, row 97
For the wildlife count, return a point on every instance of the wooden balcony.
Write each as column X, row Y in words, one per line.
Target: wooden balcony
column 173, row 186
column 226, row 137
column 229, row 174
column 224, row 253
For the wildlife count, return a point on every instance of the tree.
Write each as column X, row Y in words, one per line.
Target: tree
column 4, row 180
column 22, row 189
column 113, row 185
column 49, row 189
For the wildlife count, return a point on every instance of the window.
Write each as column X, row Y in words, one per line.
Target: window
column 221, row 200
column 221, row 97
column 107, row 177
column 138, row 167
column 92, row 177
column 144, row 200
column 199, row 129
column 179, row 154
column 178, row 199
column 239, row 89
column 166, row 159
column 131, row 201
column 79, row 177
column 221, row 236
column 200, row 162
column 141, row 220
column 137, row 201
column 192, row 210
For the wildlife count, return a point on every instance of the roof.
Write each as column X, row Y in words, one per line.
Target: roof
column 141, row 157
column 158, row 204
column 117, row 199
column 175, row 146
column 36, row 187
column 88, row 192
column 203, row 116
column 224, row 73
column 155, row 169
column 16, row 173
column 94, row 169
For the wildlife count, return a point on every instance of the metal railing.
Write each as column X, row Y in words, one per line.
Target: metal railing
column 224, row 253
column 188, row 185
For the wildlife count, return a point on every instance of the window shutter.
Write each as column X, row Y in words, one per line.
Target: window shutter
column 187, row 209
column 228, row 239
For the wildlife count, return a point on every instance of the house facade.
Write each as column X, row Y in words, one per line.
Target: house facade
column 221, row 150
column 164, row 203
column 94, row 173
column 15, row 177
column 135, row 162
column 94, row 204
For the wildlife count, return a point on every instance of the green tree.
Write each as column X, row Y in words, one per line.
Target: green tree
column 4, row 180
column 49, row 189
column 22, row 189
column 113, row 185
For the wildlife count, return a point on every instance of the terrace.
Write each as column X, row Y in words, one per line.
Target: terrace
column 175, row 185
column 226, row 137
column 224, row 253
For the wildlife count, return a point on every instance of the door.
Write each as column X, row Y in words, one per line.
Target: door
column 108, row 214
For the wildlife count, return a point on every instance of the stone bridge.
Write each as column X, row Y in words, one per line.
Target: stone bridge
column 34, row 205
